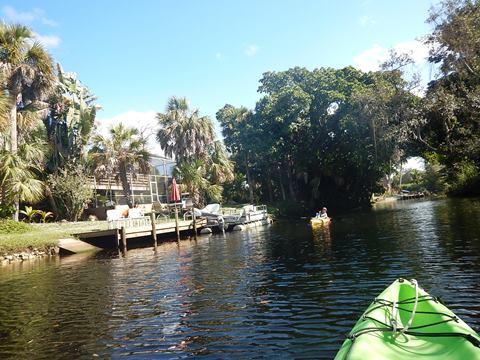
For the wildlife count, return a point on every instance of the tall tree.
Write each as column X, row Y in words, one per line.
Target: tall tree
column 202, row 163
column 27, row 78
column 27, row 70
column 70, row 121
column 18, row 175
column 321, row 136
column 448, row 124
column 183, row 132
column 236, row 126
column 124, row 151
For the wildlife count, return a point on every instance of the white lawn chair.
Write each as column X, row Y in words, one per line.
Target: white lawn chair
column 113, row 215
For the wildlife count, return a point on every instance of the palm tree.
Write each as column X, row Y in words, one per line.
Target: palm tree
column 70, row 119
column 27, row 70
column 18, row 172
column 220, row 167
column 4, row 117
column 192, row 174
column 27, row 75
column 125, row 151
column 184, row 133
column 237, row 131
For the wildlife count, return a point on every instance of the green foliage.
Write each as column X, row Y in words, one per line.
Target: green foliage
column 70, row 120
column 70, row 188
column 13, row 227
column 434, row 179
column 6, row 210
column 192, row 174
column 447, row 126
column 45, row 215
column 203, row 164
column 236, row 190
column 28, row 72
column 124, row 151
column 319, row 137
column 29, row 213
column 467, row 179
column 183, row 132
column 18, row 173
column 289, row 208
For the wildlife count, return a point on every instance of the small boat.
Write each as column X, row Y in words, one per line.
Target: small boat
column 405, row 322
column 319, row 221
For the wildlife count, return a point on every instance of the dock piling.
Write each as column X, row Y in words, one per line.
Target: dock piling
column 154, row 229
column 124, row 238
column 177, row 230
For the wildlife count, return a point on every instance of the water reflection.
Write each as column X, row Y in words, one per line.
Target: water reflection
column 289, row 290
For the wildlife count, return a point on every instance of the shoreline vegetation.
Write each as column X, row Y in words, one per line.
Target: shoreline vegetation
column 323, row 137
column 23, row 241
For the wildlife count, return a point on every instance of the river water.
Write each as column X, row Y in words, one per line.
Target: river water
column 284, row 291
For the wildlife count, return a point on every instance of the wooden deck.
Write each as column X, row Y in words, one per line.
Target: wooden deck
column 98, row 237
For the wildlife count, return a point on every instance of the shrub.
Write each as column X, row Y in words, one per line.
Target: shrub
column 70, row 190
column 466, row 180
column 6, row 210
column 291, row 208
column 13, row 227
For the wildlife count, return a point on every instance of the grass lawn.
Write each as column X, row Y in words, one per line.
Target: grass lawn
column 42, row 236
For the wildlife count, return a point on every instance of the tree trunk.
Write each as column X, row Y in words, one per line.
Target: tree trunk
column 16, row 214
column 52, row 203
column 249, row 181
column 291, row 189
column 282, row 189
column 401, row 175
column 14, row 144
column 125, row 184
column 269, row 187
column 13, row 123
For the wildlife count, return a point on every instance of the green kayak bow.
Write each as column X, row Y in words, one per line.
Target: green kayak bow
column 404, row 322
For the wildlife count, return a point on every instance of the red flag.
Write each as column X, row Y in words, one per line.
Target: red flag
column 175, row 194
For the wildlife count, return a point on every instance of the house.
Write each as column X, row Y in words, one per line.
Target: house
column 145, row 188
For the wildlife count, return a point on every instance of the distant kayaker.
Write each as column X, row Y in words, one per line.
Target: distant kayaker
column 322, row 214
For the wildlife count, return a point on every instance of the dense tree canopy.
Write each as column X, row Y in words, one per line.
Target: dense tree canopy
column 448, row 127
column 321, row 136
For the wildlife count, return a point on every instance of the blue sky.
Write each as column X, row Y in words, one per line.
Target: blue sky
column 135, row 54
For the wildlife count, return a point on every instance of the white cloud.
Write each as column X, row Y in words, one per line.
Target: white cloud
column 416, row 49
column 145, row 122
column 13, row 15
column 414, row 163
column 367, row 20
column 370, row 59
column 10, row 14
column 49, row 41
column 251, row 50
column 48, row 22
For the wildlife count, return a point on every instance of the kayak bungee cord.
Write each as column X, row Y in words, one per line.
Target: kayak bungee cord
column 407, row 329
column 413, row 311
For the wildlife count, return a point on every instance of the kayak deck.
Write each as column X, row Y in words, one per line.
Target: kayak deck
column 319, row 221
column 405, row 322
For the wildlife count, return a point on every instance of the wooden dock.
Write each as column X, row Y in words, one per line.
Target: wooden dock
column 123, row 230
column 118, row 237
column 414, row 195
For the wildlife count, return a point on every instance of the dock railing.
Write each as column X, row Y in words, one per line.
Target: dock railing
column 137, row 222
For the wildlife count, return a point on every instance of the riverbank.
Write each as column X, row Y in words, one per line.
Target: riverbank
column 21, row 241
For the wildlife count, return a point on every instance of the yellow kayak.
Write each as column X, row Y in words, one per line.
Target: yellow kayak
column 320, row 221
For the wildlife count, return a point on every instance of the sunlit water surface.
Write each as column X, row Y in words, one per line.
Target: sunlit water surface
column 283, row 291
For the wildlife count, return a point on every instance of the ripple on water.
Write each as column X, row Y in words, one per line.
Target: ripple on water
column 282, row 291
